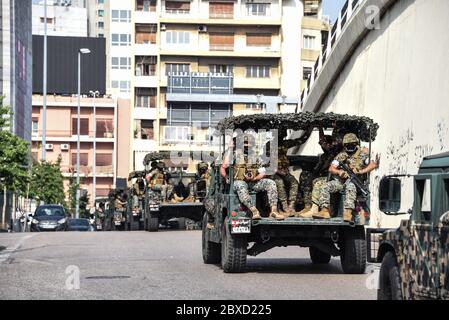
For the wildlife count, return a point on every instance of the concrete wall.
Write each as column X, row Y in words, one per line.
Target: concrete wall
column 66, row 21
column 398, row 76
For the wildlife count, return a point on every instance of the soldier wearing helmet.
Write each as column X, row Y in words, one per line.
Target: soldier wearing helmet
column 357, row 159
column 201, row 182
column 157, row 180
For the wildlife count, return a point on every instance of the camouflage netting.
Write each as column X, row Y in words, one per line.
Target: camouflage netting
column 364, row 127
column 136, row 174
column 154, row 156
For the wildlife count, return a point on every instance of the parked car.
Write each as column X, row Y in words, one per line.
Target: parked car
column 49, row 217
column 79, row 225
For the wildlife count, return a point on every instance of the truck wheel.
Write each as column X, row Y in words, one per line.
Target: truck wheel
column 211, row 250
column 134, row 225
column 389, row 279
column 233, row 250
column 353, row 250
column 319, row 257
column 153, row 224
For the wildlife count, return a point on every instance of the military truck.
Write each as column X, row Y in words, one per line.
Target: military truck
column 156, row 212
column 415, row 256
column 232, row 235
column 115, row 219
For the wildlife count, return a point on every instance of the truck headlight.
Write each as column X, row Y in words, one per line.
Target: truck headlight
column 61, row 221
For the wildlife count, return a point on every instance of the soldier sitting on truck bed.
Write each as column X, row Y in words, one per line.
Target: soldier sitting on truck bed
column 200, row 183
column 250, row 176
column 357, row 159
column 120, row 201
column 331, row 146
column 157, row 180
column 138, row 191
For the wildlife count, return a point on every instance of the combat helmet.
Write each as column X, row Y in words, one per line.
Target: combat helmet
column 350, row 142
column 160, row 165
column 202, row 166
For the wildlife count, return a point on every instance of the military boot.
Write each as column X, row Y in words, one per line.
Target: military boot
column 275, row 214
column 323, row 214
column 256, row 213
column 291, row 210
column 303, row 211
column 309, row 214
column 285, row 207
column 179, row 199
column 189, row 199
column 347, row 215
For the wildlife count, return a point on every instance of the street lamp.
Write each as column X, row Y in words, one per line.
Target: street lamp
column 95, row 94
column 80, row 52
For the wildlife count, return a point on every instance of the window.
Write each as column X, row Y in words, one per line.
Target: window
column 221, row 41
column 176, row 67
column 177, row 7
column 123, row 85
column 205, row 115
column 221, row 68
column 101, row 35
column 100, row 1
column 257, row 9
column 257, row 71
column 258, row 39
column 115, row 15
column 255, row 106
column 49, row 20
column 143, row 129
column 223, row 10
column 35, row 126
column 84, row 127
column 306, row 72
column 121, row 39
column 103, row 159
column 123, row 63
column 146, row 34
column 145, row 66
column 309, row 42
column 84, row 159
column 177, row 37
column 120, row 15
column 101, row 13
column 146, row 5
column 424, row 199
column 100, row 24
column 105, row 128
column 145, row 98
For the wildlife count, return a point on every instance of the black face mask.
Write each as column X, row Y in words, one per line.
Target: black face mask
column 351, row 147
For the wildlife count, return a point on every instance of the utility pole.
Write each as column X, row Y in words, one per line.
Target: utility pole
column 44, row 89
column 95, row 94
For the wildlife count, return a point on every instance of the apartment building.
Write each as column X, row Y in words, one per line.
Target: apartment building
column 314, row 31
column 61, row 139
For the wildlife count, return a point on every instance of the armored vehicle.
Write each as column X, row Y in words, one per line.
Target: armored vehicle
column 229, row 234
column 158, row 212
column 415, row 256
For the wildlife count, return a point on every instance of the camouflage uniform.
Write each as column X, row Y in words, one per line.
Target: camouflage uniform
column 201, row 179
column 242, row 188
column 158, row 182
column 305, row 185
column 321, row 171
column 356, row 161
column 285, row 180
column 138, row 192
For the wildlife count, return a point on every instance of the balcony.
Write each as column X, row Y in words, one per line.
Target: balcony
column 200, row 83
column 145, row 16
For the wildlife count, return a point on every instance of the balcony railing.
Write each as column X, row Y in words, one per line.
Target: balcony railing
column 199, row 82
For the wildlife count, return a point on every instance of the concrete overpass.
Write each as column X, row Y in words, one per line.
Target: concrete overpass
column 396, row 73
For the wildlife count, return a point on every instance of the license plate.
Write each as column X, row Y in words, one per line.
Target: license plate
column 241, row 226
column 117, row 223
column 47, row 226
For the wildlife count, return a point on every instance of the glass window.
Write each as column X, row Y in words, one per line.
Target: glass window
column 114, row 38
column 177, row 37
column 306, row 72
column 257, row 71
column 100, row 1
column 176, row 67
column 101, row 13
column 221, row 68
column 114, row 84
column 309, row 42
column 424, row 199
column 114, row 15
column 257, row 9
column 100, row 24
column 115, row 62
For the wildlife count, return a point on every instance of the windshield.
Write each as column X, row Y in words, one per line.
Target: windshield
column 50, row 211
column 78, row 222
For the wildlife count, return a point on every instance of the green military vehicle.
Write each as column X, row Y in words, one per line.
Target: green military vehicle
column 234, row 235
column 415, row 256
column 157, row 212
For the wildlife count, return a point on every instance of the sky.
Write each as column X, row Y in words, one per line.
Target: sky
column 332, row 8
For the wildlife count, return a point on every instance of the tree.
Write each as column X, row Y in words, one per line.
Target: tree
column 47, row 182
column 84, row 199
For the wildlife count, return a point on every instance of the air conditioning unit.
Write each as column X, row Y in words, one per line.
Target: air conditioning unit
column 65, row 146
column 163, row 27
column 202, row 28
column 49, row 146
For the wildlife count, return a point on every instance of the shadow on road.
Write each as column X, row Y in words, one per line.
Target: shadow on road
column 292, row 266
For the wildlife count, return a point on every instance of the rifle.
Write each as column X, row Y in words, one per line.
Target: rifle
column 355, row 180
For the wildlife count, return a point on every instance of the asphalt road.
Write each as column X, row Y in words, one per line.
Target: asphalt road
column 162, row 265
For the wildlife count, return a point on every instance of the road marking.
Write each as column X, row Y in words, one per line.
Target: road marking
column 6, row 253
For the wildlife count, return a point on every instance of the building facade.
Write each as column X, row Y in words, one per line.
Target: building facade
column 16, row 63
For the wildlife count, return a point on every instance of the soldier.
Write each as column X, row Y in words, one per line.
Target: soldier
column 201, row 181
column 138, row 191
column 320, row 174
column 286, row 184
column 120, row 201
column 247, row 177
column 157, row 180
column 357, row 159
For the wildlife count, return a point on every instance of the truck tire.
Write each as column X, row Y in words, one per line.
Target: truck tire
column 353, row 250
column 233, row 250
column 211, row 250
column 319, row 257
column 134, row 224
column 153, row 224
column 389, row 279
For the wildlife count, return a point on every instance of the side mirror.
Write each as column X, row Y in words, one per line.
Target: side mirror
column 444, row 219
column 389, row 195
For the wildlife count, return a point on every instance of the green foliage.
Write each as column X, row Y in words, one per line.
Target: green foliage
column 84, row 200
column 47, row 182
column 14, row 155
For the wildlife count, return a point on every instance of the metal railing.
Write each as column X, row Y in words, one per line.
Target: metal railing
column 200, row 82
column 347, row 11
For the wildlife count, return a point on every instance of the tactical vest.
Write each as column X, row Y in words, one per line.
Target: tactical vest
column 356, row 161
column 157, row 178
column 241, row 169
column 118, row 204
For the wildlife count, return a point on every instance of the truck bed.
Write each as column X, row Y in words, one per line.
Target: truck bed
column 303, row 222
